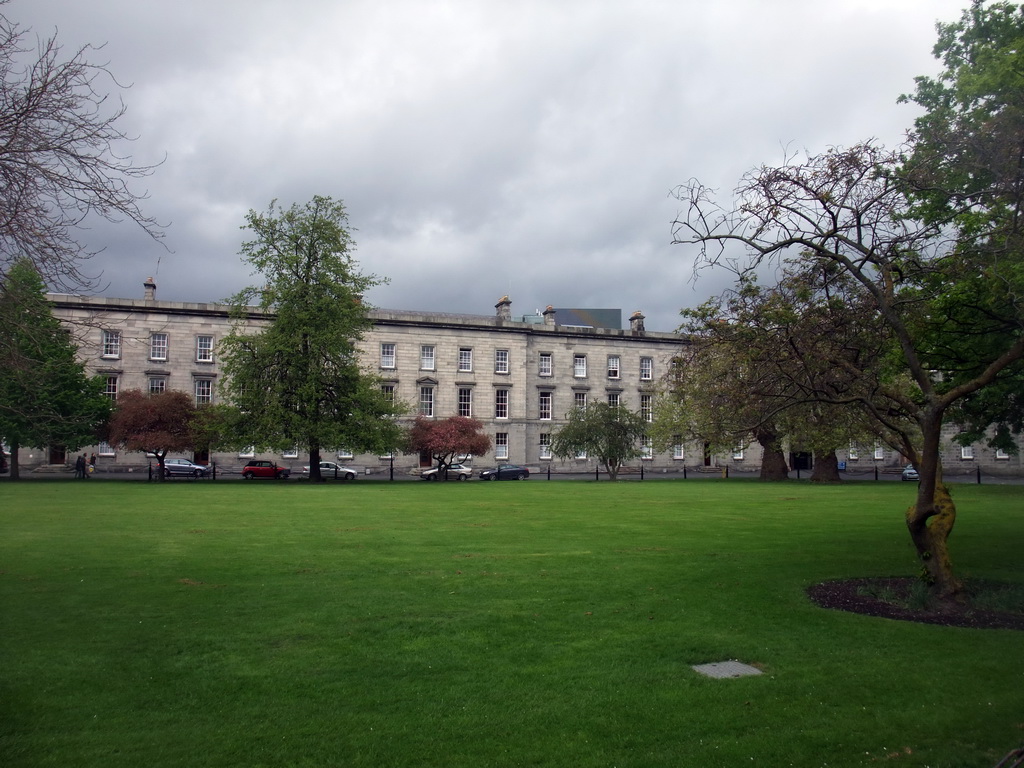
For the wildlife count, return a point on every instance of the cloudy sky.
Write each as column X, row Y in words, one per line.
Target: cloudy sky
column 482, row 147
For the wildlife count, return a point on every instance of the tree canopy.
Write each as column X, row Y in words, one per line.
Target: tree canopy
column 46, row 399
column 154, row 423
column 610, row 433
column 298, row 381
column 923, row 246
column 446, row 439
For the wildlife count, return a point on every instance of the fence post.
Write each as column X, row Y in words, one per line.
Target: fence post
column 978, row 468
column 596, row 476
column 549, row 471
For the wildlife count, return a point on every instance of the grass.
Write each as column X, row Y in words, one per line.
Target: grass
column 487, row 624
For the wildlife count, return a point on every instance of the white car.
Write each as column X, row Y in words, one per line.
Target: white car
column 455, row 472
column 328, row 470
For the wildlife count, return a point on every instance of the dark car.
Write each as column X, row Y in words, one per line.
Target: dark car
column 262, row 468
column 505, row 472
column 184, row 468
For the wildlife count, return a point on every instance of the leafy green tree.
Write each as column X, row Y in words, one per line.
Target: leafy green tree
column 156, row 424
column 444, row 439
column 45, row 397
column 610, row 433
column 298, row 381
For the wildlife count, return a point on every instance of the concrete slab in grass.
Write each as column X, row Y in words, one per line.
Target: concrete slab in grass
column 726, row 669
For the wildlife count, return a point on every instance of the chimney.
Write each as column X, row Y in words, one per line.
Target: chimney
column 504, row 308
column 549, row 315
column 636, row 322
column 150, row 286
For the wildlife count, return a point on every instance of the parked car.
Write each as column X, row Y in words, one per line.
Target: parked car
column 455, row 472
column 184, row 468
column 910, row 473
column 331, row 469
column 262, row 468
column 505, row 472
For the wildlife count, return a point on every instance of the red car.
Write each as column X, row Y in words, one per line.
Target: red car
column 261, row 468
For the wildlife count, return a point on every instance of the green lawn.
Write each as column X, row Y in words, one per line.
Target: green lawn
column 487, row 624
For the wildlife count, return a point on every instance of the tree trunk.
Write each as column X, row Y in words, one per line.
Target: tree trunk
column 15, row 466
column 930, row 521
column 826, row 468
column 314, row 464
column 773, row 460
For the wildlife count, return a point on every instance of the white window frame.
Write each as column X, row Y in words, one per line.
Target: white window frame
column 501, row 361
column 678, row 449
column 545, row 405
column 646, row 368
column 111, row 345
column 579, row 366
column 465, row 402
column 204, row 348
column 879, row 454
column 579, row 399
column 501, row 445
column 248, row 452
column 205, row 398
column 967, row 453
column 388, row 390
column 157, row 385
column 501, row 403
column 646, row 448
column 647, row 408
column 345, row 453
column 105, row 449
column 110, row 387
column 544, row 451
column 545, row 365
column 1002, row 455
column 853, row 454
column 158, row 346
column 614, row 366
column 388, row 354
column 428, row 357
column 614, row 399
column 426, row 402
column 466, row 359
column 737, row 453
column 291, row 453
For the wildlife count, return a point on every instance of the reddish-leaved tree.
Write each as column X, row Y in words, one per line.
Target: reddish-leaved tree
column 156, row 424
column 444, row 439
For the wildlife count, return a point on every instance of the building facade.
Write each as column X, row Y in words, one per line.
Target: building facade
column 518, row 375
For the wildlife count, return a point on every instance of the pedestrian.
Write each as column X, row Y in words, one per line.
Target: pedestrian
column 80, row 467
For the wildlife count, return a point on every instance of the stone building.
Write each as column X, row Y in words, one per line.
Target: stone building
column 518, row 374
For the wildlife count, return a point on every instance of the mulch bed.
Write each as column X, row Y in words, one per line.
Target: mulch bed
column 857, row 596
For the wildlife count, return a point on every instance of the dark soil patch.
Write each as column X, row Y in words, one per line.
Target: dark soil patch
column 894, row 598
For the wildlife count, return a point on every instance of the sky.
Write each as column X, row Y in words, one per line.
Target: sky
column 482, row 148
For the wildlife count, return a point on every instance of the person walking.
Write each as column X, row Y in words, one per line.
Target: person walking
column 80, row 467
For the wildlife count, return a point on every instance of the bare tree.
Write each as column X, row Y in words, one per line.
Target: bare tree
column 60, row 161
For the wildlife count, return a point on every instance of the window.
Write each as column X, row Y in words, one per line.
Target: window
column 545, row 446
column 204, row 391
column 501, row 403
column 344, row 453
column 579, row 366
column 465, row 402
column 613, row 366
column 879, row 453
column 647, row 408
column 157, row 385
column 501, row 361
column 111, row 344
column 387, row 355
column 204, row 349
column 427, row 357
column 545, row 406
column 646, row 368
column 501, row 445
column 291, row 453
column 110, row 387
column 678, row 450
column 426, row 401
column 104, row 449
column 579, row 399
column 646, row 448
column 967, row 452
column 544, row 364
column 1001, row 454
column 581, row 454
column 737, row 453
column 158, row 346
column 613, row 399
column 388, row 390
column 248, row 452
column 465, row 358
column 853, row 454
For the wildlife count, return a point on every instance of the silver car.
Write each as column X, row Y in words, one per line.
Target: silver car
column 184, row 468
column 331, row 469
column 455, row 472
